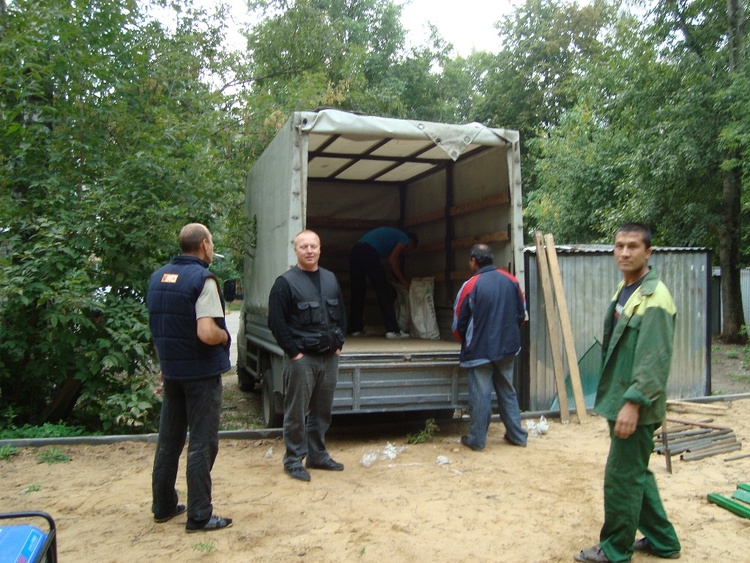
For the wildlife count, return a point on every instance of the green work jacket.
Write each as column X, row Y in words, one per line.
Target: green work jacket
column 637, row 352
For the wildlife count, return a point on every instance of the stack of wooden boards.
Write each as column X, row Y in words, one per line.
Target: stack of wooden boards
column 741, row 504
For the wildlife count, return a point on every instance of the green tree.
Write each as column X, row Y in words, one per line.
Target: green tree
column 349, row 54
column 657, row 132
column 113, row 138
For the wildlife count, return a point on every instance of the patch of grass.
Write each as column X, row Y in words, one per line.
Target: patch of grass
column 46, row 430
column 426, row 435
column 6, row 452
column 53, row 455
column 203, row 546
column 237, row 412
column 33, row 488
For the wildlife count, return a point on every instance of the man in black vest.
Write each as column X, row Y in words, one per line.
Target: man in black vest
column 306, row 316
column 186, row 316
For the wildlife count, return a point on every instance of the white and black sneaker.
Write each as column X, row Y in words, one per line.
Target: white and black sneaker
column 397, row 335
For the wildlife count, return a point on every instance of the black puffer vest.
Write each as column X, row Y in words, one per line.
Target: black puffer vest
column 172, row 294
column 314, row 315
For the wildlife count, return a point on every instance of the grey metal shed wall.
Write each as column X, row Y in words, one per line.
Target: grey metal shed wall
column 589, row 279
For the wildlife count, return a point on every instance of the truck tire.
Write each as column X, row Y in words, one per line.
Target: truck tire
column 271, row 416
column 245, row 380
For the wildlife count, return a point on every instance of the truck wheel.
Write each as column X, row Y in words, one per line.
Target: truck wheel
column 245, row 380
column 271, row 417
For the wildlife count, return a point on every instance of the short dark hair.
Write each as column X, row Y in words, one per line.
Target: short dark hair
column 482, row 254
column 639, row 228
column 191, row 237
column 413, row 238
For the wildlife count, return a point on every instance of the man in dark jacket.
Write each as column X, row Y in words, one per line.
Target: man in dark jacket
column 306, row 316
column 632, row 395
column 487, row 317
column 186, row 316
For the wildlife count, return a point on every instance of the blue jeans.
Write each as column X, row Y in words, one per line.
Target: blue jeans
column 483, row 379
column 193, row 405
column 309, row 384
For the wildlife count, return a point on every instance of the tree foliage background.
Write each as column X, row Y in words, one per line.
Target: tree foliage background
column 119, row 126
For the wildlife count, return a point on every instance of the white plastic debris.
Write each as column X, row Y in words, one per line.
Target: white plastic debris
column 444, row 462
column 537, row 428
column 269, row 453
column 368, row 459
column 388, row 452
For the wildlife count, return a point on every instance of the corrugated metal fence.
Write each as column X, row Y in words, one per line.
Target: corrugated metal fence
column 590, row 276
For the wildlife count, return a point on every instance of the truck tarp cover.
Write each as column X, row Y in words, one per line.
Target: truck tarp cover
column 453, row 139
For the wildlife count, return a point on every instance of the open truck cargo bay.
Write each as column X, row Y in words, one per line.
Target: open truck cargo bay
column 341, row 175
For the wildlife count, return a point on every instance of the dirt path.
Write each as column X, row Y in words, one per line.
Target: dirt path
column 434, row 502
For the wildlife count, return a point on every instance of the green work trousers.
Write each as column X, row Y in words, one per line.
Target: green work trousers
column 631, row 498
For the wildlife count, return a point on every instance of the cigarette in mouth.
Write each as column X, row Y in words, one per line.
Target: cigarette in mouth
column 218, row 255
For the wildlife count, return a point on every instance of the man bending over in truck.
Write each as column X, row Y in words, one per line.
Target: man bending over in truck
column 306, row 316
column 364, row 262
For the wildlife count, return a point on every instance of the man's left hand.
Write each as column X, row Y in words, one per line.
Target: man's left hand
column 627, row 420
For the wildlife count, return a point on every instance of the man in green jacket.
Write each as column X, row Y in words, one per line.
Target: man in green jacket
column 637, row 354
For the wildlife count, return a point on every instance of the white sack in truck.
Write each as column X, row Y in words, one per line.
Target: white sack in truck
column 422, row 309
column 401, row 306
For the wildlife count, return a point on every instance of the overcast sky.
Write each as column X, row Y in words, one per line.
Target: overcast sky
column 466, row 24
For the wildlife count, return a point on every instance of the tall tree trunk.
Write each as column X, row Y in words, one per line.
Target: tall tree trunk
column 729, row 253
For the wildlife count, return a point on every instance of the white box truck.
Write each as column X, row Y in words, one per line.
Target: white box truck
column 342, row 174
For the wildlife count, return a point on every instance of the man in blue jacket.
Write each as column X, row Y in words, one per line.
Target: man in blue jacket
column 487, row 317
column 186, row 316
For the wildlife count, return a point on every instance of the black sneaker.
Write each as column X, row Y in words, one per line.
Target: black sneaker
column 298, row 472
column 328, row 465
column 179, row 509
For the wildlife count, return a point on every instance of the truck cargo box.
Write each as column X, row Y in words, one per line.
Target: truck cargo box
column 342, row 174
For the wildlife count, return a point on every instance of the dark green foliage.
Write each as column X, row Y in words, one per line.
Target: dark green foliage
column 113, row 140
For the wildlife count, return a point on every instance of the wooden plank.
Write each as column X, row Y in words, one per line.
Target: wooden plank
column 491, row 201
column 554, row 336
column 456, row 210
column 431, row 217
column 344, row 223
column 697, row 423
column 696, row 408
column 468, row 242
column 567, row 329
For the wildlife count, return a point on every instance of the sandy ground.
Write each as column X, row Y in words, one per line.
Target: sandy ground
column 435, row 501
